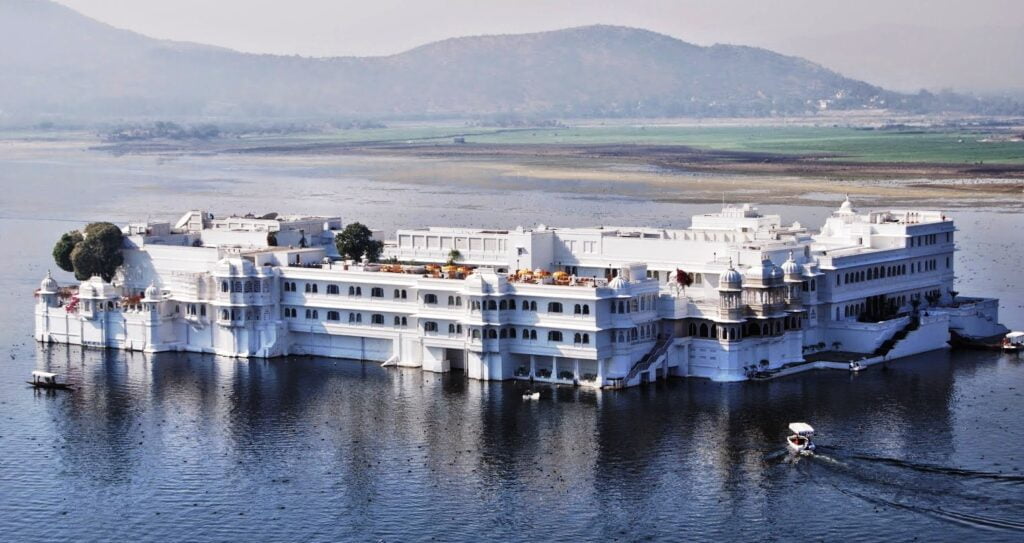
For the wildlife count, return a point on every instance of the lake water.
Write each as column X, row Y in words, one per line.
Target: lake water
column 198, row 448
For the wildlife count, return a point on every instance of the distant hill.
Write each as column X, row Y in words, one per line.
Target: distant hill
column 57, row 64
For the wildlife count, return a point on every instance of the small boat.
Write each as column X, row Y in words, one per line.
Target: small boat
column 45, row 379
column 856, row 366
column 531, row 396
column 1013, row 342
column 800, row 441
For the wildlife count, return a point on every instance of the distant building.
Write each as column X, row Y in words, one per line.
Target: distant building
column 737, row 294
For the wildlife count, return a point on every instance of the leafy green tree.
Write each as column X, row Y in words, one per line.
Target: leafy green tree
column 356, row 240
column 62, row 249
column 100, row 253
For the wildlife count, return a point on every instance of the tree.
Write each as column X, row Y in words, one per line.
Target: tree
column 453, row 256
column 62, row 249
column 99, row 253
column 357, row 240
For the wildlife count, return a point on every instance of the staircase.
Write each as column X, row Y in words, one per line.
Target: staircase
column 901, row 334
column 652, row 356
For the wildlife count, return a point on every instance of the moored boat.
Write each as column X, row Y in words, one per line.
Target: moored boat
column 1013, row 342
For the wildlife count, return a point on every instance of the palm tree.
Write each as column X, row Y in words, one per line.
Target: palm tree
column 453, row 256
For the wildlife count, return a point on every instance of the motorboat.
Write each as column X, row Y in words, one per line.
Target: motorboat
column 856, row 366
column 531, row 396
column 45, row 379
column 800, row 440
column 1013, row 342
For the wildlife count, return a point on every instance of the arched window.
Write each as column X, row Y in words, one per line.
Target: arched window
column 248, row 286
column 502, row 305
column 703, row 330
column 236, row 286
column 765, row 331
column 503, row 334
column 430, row 298
column 554, row 307
column 359, row 317
column 512, row 333
column 309, row 313
column 376, row 292
column 397, row 294
column 309, row 288
column 554, row 335
column 586, row 309
column 492, row 305
column 451, row 300
column 351, row 317
column 458, row 301
column 492, row 334
column 526, row 333
column 451, row 328
column 430, row 326
column 622, row 307
column 351, row 290
column 577, row 337
column 533, row 334
column 533, row 306
column 359, row 290
column 223, row 286
column 405, row 322
column 398, row 322
column 526, row 305
column 224, row 314
column 475, row 334
column 577, row 309
column 693, row 329
column 613, row 307
column 333, row 289
column 377, row 318
column 714, row 331
column 586, row 339
column 333, row 316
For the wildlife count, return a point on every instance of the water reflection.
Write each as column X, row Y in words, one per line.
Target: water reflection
column 328, row 436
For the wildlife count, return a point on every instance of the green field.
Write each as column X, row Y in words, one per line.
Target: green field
column 851, row 144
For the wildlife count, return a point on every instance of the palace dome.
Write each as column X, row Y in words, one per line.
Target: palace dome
column 618, row 283
column 730, row 278
column 48, row 285
column 790, row 268
column 152, row 293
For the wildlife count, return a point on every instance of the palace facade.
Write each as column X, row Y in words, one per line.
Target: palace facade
column 737, row 294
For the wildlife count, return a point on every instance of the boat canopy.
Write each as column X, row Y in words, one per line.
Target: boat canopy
column 1015, row 337
column 801, row 429
column 44, row 374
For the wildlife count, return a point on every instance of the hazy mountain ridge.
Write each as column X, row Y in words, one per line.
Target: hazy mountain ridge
column 56, row 63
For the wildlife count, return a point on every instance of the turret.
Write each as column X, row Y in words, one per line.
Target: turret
column 48, row 289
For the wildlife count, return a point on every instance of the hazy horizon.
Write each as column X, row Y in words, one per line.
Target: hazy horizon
column 907, row 46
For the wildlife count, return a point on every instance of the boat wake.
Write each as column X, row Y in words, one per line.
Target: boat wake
column 942, row 492
column 931, row 468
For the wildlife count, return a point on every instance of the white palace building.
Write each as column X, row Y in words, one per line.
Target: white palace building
column 736, row 295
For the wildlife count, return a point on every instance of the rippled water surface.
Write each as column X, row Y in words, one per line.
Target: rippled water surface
column 198, row 448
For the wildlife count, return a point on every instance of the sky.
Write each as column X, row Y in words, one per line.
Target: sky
column 967, row 45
